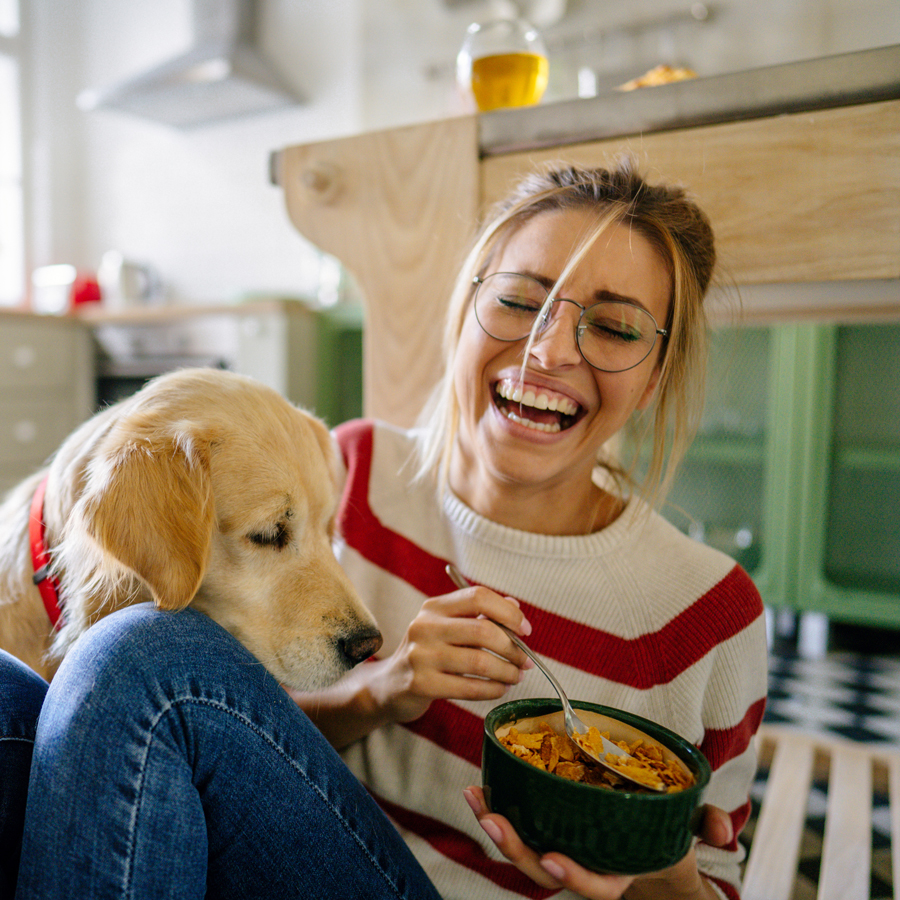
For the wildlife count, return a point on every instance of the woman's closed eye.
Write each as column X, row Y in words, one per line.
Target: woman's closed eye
column 611, row 329
column 514, row 304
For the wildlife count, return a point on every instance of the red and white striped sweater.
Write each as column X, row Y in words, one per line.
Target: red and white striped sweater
column 637, row 616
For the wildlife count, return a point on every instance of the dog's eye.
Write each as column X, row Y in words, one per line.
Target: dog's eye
column 278, row 537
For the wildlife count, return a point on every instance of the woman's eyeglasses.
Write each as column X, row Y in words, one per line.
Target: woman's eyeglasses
column 613, row 335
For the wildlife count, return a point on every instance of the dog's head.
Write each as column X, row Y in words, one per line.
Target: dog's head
column 213, row 490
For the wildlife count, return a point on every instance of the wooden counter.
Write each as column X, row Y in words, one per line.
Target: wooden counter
column 801, row 179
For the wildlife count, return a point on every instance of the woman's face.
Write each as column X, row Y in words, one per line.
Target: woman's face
column 498, row 447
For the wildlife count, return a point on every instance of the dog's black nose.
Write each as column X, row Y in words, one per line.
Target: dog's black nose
column 360, row 645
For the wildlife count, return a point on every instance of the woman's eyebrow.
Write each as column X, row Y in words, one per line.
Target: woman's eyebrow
column 607, row 296
column 541, row 279
column 600, row 296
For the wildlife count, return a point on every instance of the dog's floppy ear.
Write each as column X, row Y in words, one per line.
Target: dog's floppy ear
column 152, row 509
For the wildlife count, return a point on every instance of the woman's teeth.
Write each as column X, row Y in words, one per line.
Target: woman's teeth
column 550, row 428
column 540, row 401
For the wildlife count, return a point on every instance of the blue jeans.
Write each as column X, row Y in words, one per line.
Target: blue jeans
column 21, row 694
column 170, row 764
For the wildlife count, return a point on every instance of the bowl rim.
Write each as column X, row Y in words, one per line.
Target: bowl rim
column 689, row 753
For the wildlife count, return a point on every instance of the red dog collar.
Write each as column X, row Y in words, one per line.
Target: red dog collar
column 46, row 583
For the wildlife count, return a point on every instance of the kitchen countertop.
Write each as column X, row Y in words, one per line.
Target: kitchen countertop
column 844, row 79
column 96, row 314
column 20, row 314
column 17, row 312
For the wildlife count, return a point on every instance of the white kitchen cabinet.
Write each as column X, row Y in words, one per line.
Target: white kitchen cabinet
column 311, row 356
column 46, row 389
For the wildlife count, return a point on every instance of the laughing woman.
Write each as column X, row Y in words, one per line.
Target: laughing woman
column 578, row 312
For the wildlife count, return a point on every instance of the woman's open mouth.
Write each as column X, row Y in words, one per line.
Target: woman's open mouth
column 535, row 408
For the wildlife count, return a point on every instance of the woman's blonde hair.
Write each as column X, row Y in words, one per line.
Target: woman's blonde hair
column 677, row 229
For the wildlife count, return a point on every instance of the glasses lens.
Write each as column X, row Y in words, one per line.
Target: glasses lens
column 506, row 305
column 616, row 336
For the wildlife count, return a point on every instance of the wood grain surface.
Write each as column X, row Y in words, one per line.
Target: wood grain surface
column 397, row 208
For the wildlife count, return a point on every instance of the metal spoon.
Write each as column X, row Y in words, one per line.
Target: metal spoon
column 574, row 725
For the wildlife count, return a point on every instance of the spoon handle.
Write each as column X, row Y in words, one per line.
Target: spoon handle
column 537, row 661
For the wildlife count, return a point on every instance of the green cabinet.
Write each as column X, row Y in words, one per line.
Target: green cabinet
column 796, row 469
column 339, row 375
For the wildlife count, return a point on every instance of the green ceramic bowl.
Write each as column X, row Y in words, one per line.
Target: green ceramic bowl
column 604, row 830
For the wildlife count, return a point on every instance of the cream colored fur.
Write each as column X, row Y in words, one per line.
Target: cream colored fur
column 205, row 488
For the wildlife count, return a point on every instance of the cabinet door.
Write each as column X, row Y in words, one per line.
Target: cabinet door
column 36, row 353
column 279, row 349
column 740, row 487
column 796, row 469
column 46, row 389
column 719, row 495
column 339, row 393
column 850, row 549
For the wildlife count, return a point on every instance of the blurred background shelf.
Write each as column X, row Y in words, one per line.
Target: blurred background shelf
column 873, row 458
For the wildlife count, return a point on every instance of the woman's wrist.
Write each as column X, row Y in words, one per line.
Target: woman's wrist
column 347, row 711
column 684, row 881
column 665, row 890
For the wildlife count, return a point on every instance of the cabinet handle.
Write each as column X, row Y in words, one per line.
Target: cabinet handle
column 25, row 431
column 24, row 356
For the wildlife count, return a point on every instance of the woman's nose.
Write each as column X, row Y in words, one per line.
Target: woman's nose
column 556, row 344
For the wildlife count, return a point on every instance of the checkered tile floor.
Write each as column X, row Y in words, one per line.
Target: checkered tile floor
column 848, row 694
column 851, row 694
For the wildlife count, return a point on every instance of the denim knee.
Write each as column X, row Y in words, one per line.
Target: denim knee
column 21, row 695
column 21, row 698
column 194, row 753
column 145, row 659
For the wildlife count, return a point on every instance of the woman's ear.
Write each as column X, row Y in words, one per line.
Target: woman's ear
column 151, row 508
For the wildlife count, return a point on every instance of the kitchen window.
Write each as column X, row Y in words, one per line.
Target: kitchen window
column 12, row 249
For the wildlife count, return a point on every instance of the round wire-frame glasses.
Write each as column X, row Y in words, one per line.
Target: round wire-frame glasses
column 611, row 335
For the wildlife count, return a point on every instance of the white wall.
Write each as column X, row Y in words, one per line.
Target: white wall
column 198, row 203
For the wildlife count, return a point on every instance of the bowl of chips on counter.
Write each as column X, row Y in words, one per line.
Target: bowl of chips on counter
column 557, row 799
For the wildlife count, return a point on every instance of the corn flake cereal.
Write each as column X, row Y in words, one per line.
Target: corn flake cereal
column 662, row 74
column 555, row 753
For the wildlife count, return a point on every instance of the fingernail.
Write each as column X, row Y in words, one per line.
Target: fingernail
column 552, row 867
column 526, row 626
column 492, row 830
column 472, row 800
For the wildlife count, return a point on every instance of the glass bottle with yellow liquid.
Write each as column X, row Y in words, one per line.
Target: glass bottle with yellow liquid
column 503, row 63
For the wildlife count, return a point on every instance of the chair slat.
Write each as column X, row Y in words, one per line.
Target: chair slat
column 847, row 848
column 894, row 795
column 852, row 771
column 772, row 865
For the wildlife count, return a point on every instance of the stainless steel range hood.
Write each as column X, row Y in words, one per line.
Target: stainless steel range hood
column 222, row 76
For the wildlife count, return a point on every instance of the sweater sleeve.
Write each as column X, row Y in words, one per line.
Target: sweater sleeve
column 733, row 706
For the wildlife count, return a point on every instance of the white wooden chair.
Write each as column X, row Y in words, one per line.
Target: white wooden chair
column 853, row 772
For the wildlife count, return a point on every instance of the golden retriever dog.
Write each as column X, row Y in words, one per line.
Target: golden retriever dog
column 204, row 488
